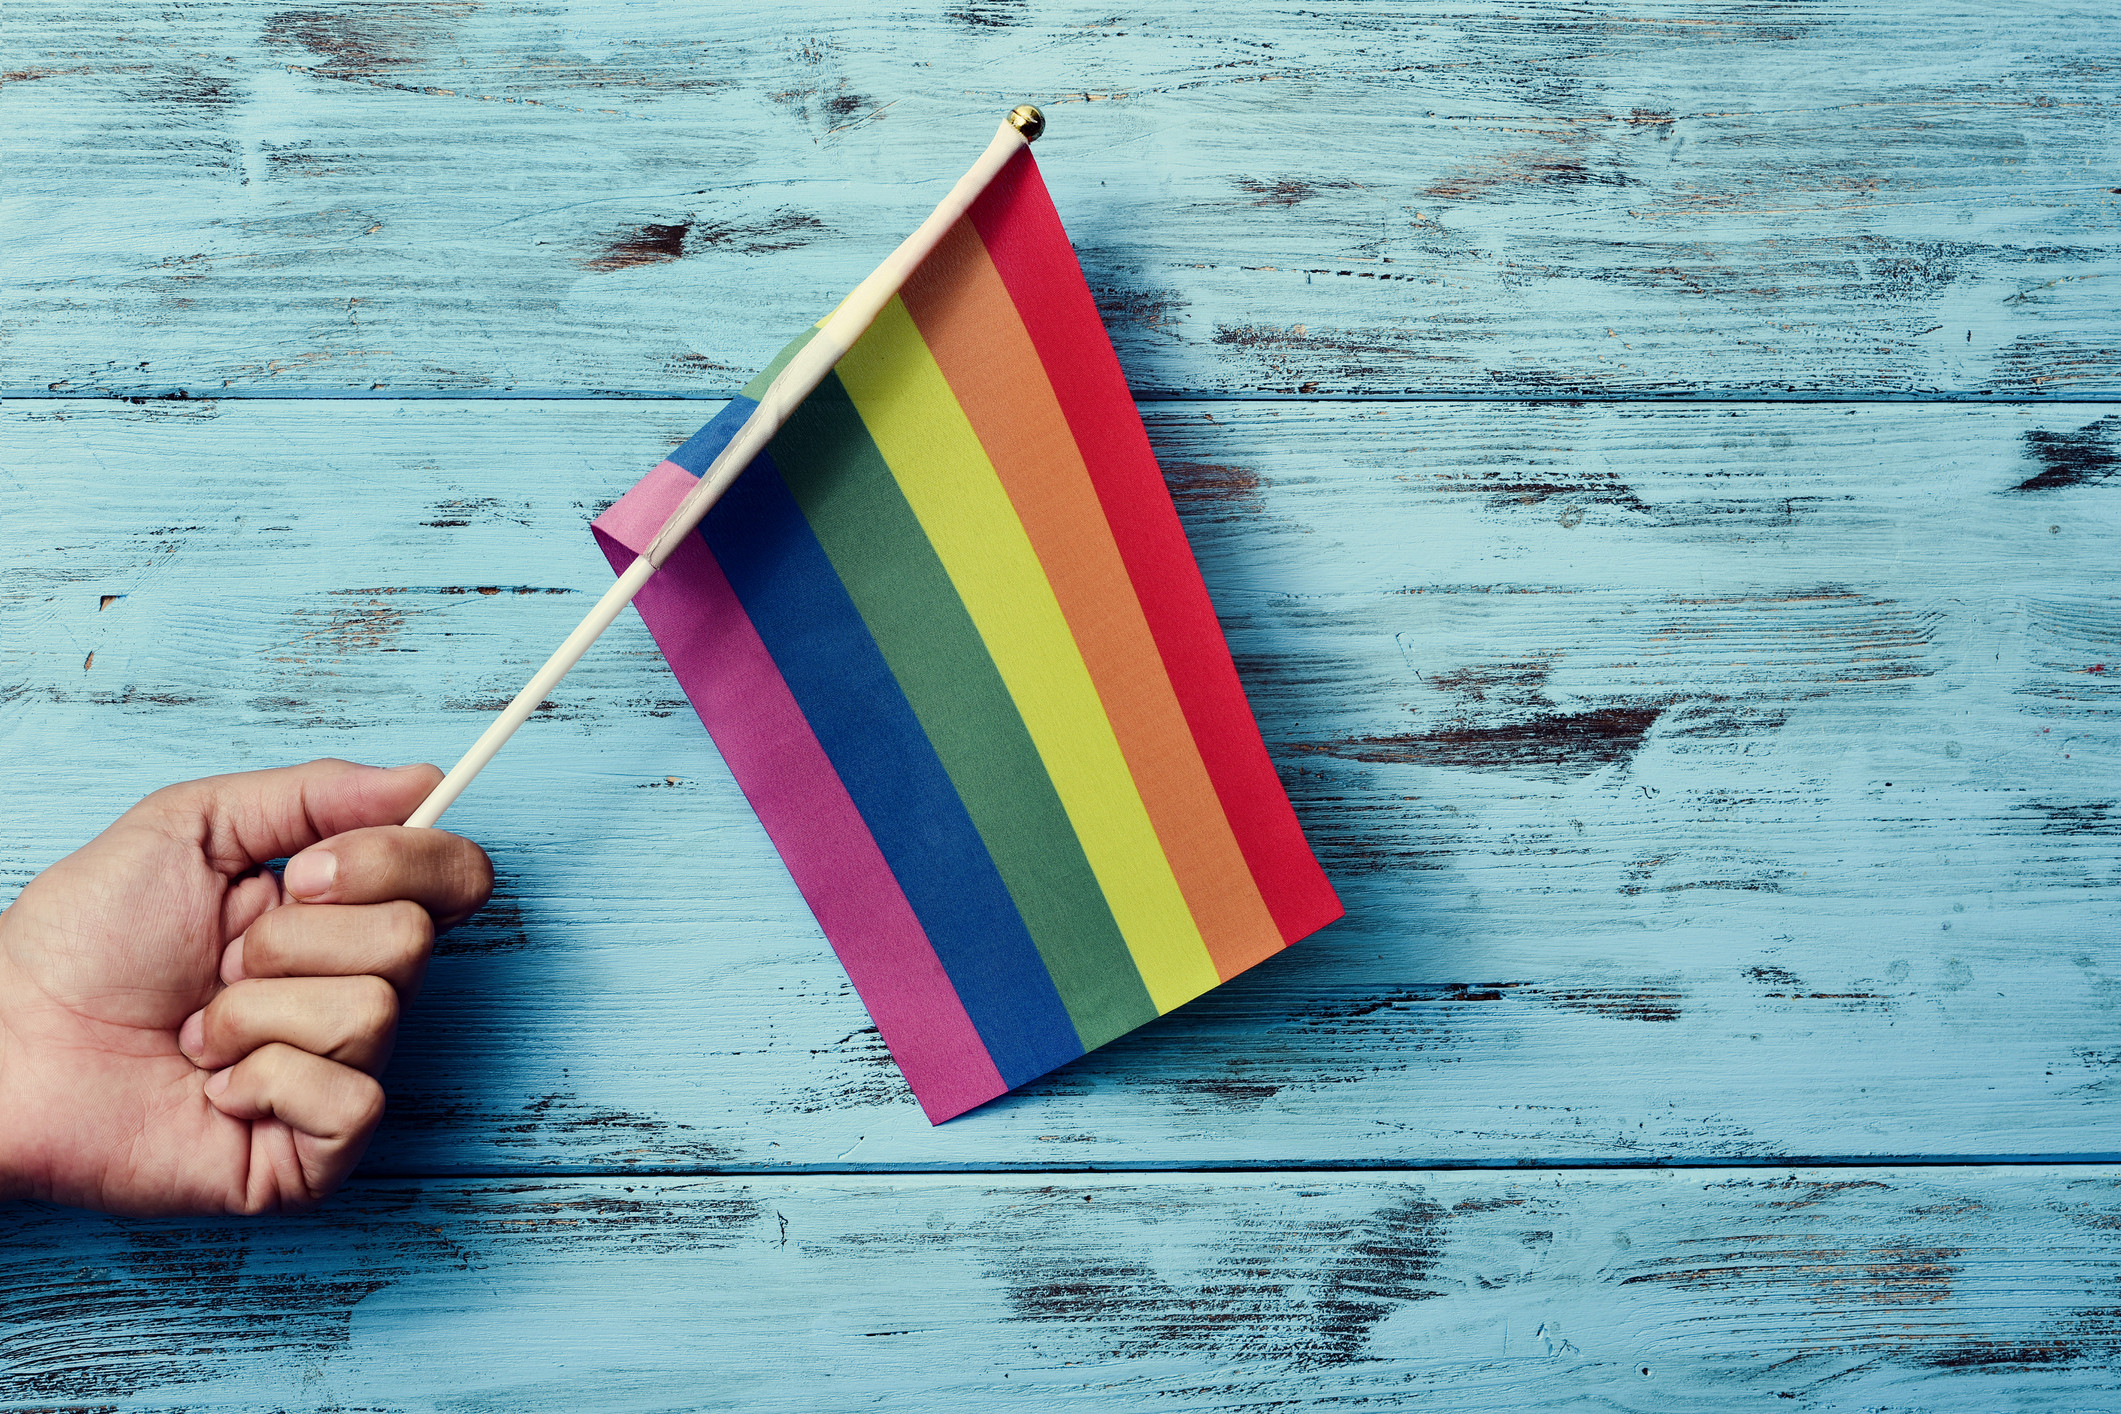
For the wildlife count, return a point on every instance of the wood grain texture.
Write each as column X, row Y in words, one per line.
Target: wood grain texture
column 1840, row 1289
column 1711, row 783
column 1469, row 199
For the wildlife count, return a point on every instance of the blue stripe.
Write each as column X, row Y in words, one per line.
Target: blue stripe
column 703, row 446
column 869, row 732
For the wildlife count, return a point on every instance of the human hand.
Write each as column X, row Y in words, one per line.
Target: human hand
column 181, row 1030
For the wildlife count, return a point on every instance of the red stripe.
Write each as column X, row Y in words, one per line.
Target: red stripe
column 731, row 679
column 1022, row 232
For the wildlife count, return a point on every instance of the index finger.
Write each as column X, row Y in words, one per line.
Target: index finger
column 445, row 874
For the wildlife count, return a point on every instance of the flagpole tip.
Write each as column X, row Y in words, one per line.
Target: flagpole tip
column 1028, row 121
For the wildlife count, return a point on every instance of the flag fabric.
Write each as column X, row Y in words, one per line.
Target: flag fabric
column 951, row 640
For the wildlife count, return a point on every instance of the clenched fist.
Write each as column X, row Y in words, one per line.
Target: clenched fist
column 182, row 1030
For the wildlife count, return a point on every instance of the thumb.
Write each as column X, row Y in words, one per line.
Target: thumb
column 241, row 821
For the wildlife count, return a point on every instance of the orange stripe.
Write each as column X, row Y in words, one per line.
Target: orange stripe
column 971, row 326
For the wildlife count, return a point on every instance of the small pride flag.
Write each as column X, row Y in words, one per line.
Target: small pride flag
column 951, row 640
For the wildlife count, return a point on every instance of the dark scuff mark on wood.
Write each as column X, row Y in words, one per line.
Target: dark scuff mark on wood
column 1207, row 491
column 1299, row 359
column 1217, row 1094
column 1400, row 1001
column 1887, row 1275
column 988, row 14
column 783, row 230
column 2080, row 458
column 496, row 928
column 451, row 590
column 2085, row 818
column 370, row 627
column 1485, row 1205
column 1352, row 831
column 548, row 709
column 1288, row 191
column 1505, row 489
column 863, row 1075
column 836, row 101
column 693, row 365
column 458, row 511
column 1157, row 311
column 2052, row 364
column 1560, row 743
column 209, row 1294
column 1568, row 157
column 1519, row 682
column 1619, row 1003
column 1808, row 1192
column 1301, row 1294
column 644, row 245
column 556, row 1120
column 177, row 1303
column 851, row 110
column 366, row 39
column 655, row 243
column 134, row 697
column 31, row 75
column 649, row 1219
column 2101, row 1341
column 1380, row 1266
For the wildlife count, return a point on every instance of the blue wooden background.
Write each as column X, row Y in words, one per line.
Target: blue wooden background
column 1659, row 468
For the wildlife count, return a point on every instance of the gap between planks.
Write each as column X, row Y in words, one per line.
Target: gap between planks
column 1751, row 397
column 481, row 1173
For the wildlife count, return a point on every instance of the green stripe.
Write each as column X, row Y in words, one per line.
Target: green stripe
column 756, row 388
column 873, row 539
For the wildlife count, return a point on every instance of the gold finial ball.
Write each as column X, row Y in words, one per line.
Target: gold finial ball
column 1028, row 121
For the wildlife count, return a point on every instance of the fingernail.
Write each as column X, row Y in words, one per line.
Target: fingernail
column 232, row 963
column 311, row 872
column 191, row 1036
column 218, row 1081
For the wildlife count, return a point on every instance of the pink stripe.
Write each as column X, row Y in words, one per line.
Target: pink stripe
column 771, row 750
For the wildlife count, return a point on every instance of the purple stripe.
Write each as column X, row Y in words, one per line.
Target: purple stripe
column 726, row 671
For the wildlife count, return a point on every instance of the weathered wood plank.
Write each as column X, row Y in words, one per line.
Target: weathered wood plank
column 592, row 195
column 1707, row 782
column 1839, row 1289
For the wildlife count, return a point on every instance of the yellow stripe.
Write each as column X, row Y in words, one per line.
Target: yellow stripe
column 962, row 506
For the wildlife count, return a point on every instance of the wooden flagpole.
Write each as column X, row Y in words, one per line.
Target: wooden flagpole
column 782, row 397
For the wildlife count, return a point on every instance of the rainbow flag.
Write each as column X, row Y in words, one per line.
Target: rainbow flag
column 951, row 640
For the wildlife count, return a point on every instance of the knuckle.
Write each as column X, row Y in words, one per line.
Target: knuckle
column 375, row 1006
column 364, row 1102
column 277, row 1060
column 411, row 932
column 229, row 1011
column 265, row 950
column 268, row 1069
